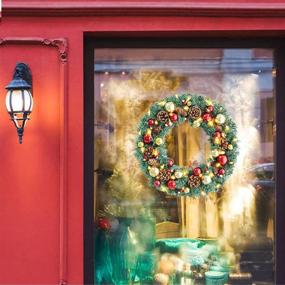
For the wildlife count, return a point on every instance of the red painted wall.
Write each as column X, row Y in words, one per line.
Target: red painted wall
column 29, row 173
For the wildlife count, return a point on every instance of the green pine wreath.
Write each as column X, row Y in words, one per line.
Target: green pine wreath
column 151, row 149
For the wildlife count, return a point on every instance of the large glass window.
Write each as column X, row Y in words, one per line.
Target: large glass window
column 144, row 236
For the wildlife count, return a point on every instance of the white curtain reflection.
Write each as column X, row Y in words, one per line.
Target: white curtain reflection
column 240, row 93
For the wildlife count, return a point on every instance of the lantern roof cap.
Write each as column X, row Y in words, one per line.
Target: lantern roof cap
column 22, row 77
column 18, row 83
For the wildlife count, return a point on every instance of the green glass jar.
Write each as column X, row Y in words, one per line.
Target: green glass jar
column 215, row 278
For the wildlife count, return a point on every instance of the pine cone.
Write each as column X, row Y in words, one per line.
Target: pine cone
column 164, row 175
column 194, row 112
column 216, row 170
column 162, row 116
column 148, row 152
column 156, row 130
column 194, row 181
column 182, row 112
column 153, row 162
column 224, row 145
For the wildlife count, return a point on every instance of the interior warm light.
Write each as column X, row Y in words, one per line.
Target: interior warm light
column 244, row 199
column 19, row 99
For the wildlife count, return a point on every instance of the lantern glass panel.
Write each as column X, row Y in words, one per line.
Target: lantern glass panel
column 8, row 107
column 19, row 101
column 28, row 101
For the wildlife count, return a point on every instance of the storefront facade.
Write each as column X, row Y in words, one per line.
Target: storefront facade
column 46, row 183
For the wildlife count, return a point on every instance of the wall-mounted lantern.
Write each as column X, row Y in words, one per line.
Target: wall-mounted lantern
column 19, row 99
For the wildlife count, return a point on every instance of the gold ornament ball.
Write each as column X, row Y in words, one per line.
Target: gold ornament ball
column 186, row 108
column 220, row 119
column 185, row 172
column 140, row 144
column 196, row 124
column 170, row 107
column 186, row 190
column 161, row 103
column 217, row 140
column 178, row 174
column 227, row 128
column 215, row 153
column 142, row 149
column 172, row 177
column 208, row 102
column 230, row 147
column 153, row 172
column 148, row 132
column 189, row 103
column 211, row 123
column 159, row 141
column 206, row 180
column 163, row 188
column 155, row 152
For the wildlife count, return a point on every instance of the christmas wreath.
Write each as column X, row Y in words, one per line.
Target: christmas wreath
column 151, row 149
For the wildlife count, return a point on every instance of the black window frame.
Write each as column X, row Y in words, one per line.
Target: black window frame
column 113, row 40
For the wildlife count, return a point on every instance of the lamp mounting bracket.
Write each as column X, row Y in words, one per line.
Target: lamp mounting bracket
column 23, row 71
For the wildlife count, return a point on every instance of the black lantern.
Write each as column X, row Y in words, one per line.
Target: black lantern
column 19, row 99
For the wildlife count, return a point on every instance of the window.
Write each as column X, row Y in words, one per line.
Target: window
column 142, row 235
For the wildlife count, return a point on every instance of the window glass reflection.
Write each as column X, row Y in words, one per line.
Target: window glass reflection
column 146, row 237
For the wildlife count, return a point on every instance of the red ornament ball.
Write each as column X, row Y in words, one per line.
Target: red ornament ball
column 171, row 184
column 197, row 171
column 151, row 122
column 170, row 162
column 222, row 159
column 147, row 139
column 206, row 117
column 156, row 183
column 222, row 171
column 173, row 117
column 210, row 109
column 104, row 224
column 218, row 128
column 217, row 134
